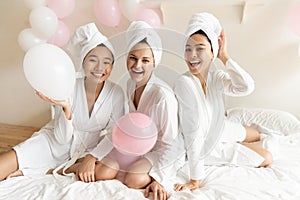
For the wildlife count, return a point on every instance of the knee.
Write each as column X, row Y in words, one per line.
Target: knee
column 268, row 159
column 136, row 180
column 106, row 170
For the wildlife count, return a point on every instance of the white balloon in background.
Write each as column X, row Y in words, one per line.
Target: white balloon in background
column 28, row 39
column 130, row 8
column 32, row 4
column 43, row 21
column 50, row 71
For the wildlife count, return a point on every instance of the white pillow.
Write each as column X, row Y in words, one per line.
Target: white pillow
column 265, row 120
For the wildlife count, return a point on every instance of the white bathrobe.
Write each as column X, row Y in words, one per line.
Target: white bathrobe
column 202, row 117
column 62, row 139
column 159, row 103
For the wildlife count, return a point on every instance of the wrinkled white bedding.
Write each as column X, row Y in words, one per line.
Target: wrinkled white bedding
column 280, row 181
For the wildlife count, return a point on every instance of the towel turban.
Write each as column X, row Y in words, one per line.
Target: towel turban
column 209, row 24
column 140, row 30
column 86, row 38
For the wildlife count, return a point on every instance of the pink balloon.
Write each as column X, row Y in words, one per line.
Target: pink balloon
column 294, row 19
column 134, row 134
column 61, row 36
column 62, row 8
column 108, row 12
column 149, row 16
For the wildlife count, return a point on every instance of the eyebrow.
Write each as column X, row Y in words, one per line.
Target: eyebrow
column 93, row 55
column 196, row 45
column 148, row 57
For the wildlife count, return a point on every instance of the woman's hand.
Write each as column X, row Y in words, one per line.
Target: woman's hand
column 159, row 192
column 192, row 185
column 85, row 171
column 222, row 54
column 65, row 104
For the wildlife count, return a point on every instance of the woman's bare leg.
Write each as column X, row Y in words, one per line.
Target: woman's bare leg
column 263, row 152
column 137, row 176
column 8, row 164
column 252, row 135
column 106, row 169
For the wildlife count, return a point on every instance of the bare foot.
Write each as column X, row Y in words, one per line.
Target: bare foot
column 15, row 174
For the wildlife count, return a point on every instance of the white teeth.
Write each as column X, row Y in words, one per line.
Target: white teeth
column 137, row 71
column 98, row 74
column 195, row 63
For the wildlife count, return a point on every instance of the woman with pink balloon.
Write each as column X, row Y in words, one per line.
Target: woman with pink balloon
column 81, row 118
column 145, row 144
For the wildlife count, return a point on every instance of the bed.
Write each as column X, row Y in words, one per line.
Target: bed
column 280, row 181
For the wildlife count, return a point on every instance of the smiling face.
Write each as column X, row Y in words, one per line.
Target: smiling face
column 98, row 64
column 140, row 63
column 198, row 54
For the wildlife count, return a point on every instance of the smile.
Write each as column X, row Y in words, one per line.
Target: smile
column 195, row 63
column 137, row 71
column 98, row 75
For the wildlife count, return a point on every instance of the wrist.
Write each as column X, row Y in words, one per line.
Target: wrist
column 224, row 59
column 195, row 181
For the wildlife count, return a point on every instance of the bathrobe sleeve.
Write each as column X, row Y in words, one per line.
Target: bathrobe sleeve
column 63, row 128
column 236, row 81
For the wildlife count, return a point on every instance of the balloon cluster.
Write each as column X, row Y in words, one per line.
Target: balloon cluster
column 46, row 23
column 47, row 67
column 110, row 12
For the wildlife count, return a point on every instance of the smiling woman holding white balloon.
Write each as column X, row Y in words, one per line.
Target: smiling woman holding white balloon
column 93, row 107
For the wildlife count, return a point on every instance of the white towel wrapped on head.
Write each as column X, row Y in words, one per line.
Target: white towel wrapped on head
column 209, row 24
column 86, row 38
column 140, row 30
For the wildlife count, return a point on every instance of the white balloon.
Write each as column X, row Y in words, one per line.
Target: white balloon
column 32, row 4
column 50, row 71
column 27, row 39
column 43, row 21
column 130, row 8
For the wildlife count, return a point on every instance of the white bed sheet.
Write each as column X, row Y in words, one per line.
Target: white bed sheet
column 280, row 181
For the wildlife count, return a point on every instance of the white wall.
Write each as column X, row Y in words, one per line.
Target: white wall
column 263, row 45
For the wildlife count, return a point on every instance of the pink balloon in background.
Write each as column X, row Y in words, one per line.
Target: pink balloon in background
column 62, row 8
column 149, row 16
column 294, row 19
column 108, row 12
column 134, row 134
column 61, row 36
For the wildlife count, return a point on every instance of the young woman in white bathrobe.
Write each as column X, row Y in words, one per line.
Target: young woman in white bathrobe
column 149, row 95
column 79, row 122
column 209, row 137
